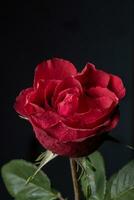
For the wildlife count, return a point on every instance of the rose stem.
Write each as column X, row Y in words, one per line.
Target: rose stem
column 73, row 166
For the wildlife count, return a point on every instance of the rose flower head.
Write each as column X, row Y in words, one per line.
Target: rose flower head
column 70, row 111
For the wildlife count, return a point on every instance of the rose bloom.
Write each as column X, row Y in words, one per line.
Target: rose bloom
column 71, row 111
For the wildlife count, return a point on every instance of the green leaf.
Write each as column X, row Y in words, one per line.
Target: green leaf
column 16, row 172
column 93, row 179
column 121, row 185
column 35, row 193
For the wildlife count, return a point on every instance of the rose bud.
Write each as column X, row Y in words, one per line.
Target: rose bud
column 71, row 111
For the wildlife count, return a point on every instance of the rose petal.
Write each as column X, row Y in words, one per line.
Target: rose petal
column 68, row 106
column 92, row 77
column 32, row 108
column 116, row 85
column 101, row 92
column 71, row 149
column 113, row 123
column 84, row 75
column 40, row 93
column 28, row 102
column 45, row 91
column 91, row 112
column 103, row 103
column 62, row 95
column 49, row 92
column 64, row 133
column 68, row 83
column 45, row 119
column 21, row 101
column 55, row 68
column 96, row 98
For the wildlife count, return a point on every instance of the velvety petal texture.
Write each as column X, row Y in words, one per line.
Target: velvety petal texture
column 56, row 69
column 71, row 111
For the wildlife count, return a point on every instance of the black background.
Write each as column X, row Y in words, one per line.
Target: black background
column 80, row 31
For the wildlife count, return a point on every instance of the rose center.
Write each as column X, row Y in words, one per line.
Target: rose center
column 68, row 105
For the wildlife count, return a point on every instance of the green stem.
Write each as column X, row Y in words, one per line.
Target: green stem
column 73, row 166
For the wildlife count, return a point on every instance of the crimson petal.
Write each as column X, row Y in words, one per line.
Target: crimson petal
column 55, row 68
column 68, row 83
column 45, row 119
column 70, row 148
column 21, row 101
column 101, row 92
column 64, row 133
column 116, row 85
column 90, row 76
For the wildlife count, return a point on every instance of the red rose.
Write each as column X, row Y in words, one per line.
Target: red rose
column 70, row 111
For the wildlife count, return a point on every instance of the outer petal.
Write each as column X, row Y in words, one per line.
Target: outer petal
column 64, row 133
column 92, row 77
column 96, row 98
column 97, row 92
column 28, row 102
column 116, row 85
column 45, row 119
column 70, row 149
column 93, row 111
column 113, row 123
column 54, row 69
column 21, row 101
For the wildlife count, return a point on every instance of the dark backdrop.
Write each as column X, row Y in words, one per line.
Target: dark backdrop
column 81, row 31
